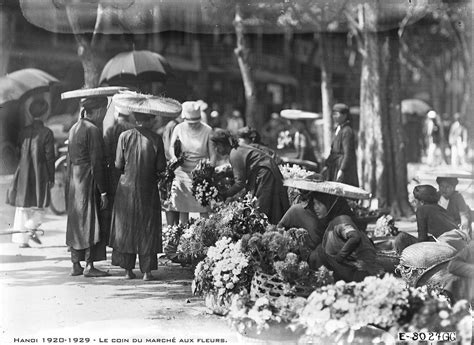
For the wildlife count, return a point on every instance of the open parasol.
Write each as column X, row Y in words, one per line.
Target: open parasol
column 148, row 104
column 294, row 114
column 137, row 65
column 18, row 84
column 328, row 187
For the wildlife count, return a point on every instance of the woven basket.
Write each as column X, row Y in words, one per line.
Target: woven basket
column 421, row 257
column 426, row 254
column 271, row 286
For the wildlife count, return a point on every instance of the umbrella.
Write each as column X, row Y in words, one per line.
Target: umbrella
column 23, row 82
column 127, row 102
column 328, row 187
column 415, row 106
column 137, row 65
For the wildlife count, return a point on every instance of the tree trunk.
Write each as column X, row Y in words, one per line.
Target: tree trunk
column 396, row 149
column 87, row 49
column 242, row 53
column 7, row 21
column 326, row 90
column 381, row 151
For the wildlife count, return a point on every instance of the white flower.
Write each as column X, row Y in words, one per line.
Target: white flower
column 229, row 286
column 261, row 302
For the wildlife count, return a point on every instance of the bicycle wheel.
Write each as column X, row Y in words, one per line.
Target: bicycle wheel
column 58, row 192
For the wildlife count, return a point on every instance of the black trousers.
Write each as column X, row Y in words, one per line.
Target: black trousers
column 127, row 261
column 92, row 254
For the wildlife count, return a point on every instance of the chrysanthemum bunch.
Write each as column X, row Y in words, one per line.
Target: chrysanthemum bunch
column 225, row 270
column 249, row 316
column 335, row 309
column 385, row 226
column 294, row 172
column 203, row 186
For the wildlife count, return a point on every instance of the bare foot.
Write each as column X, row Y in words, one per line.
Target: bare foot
column 129, row 274
column 148, row 276
column 77, row 270
column 94, row 273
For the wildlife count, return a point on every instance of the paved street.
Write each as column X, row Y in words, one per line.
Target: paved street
column 39, row 299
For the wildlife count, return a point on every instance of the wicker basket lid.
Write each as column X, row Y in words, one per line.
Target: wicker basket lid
column 426, row 254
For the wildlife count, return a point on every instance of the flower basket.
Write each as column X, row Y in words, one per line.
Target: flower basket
column 271, row 286
column 215, row 304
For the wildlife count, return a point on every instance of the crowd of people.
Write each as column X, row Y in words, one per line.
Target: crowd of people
column 113, row 197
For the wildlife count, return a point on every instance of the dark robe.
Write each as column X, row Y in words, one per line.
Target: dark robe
column 348, row 251
column 456, row 206
column 433, row 219
column 136, row 216
column 36, row 167
column 299, row 216
column 257, row 171
column 111, row 137
column 343, row 156
column 87, row 180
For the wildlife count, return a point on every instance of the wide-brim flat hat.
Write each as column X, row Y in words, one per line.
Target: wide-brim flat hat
column 294, row 114
column 191, row 111
column 132, row 102
column 449, row 173
column 93, row 92
column 328, row 187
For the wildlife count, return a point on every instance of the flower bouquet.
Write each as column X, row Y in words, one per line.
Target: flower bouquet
column 196, row 239
column 385, row 226
column 224, row 272
column 165, row 179
column 203, row 186
column 266, row 319
column 241, row 217
column 171, row 236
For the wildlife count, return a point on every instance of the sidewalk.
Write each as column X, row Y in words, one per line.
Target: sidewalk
column 40, row 300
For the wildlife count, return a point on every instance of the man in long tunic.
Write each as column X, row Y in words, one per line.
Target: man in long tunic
column 341, row 164
column 86, row 233
column 136, row 215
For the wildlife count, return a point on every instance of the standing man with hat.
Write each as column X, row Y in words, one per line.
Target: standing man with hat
column 196, row 145
column 87, row 231
column 341, row 164
column 136, row 215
